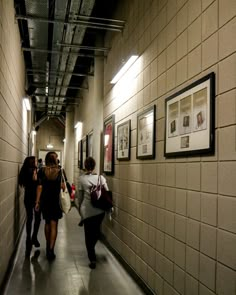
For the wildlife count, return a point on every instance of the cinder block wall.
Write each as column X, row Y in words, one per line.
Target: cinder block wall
column 175, row 221
column 13, row 133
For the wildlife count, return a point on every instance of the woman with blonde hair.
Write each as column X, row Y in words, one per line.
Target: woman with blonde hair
column 48, row 191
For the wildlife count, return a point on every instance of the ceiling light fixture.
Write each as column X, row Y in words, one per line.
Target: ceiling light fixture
column 125, row 67
column 49, row 146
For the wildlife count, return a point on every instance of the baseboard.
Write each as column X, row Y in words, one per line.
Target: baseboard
column 127, row 267
column 11, row 264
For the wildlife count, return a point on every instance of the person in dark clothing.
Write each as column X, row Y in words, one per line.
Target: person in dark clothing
column 48, row 191
column 28, row 180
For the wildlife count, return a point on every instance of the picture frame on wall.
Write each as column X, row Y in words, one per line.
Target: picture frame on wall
column 123, row 140
column 80, row 154
column 189, row 120
column 84, row 151
column 146, row 132
column 108, row 145
column 90, row 144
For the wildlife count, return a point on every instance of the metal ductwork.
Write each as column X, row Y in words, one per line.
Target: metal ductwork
column 58, row 42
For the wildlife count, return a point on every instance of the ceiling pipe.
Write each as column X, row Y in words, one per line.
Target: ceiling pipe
column 58, row 52
column 87, row 24
column 58, row 96
column 104, row 49
column 58, row 86
column 36, row 71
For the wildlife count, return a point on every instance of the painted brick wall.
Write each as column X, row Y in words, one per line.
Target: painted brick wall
column 13, row 133
column 175, row 220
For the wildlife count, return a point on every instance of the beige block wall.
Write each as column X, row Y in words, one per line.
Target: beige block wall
column 174, row 220
column 50, row 131
column 13, row 133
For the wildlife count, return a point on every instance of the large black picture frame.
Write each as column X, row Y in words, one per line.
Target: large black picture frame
column 190, row 119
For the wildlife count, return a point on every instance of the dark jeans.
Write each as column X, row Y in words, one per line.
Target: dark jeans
column 31, row 213
column 92, row 234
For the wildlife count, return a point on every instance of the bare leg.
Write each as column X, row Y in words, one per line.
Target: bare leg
column 53, row 233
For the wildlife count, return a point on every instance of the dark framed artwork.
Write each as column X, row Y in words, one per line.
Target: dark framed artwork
column 146, row 131
column 84, row 150
column 108, row 145
column 90, row 144
column 80, row 154
column 123, row 141
column 189, row 122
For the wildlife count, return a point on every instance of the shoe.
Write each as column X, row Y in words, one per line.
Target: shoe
column 92, row 264
column 35, row 243
column 50, row 254
column 28, row 248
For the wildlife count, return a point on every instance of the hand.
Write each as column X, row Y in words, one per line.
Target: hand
column 37, row 207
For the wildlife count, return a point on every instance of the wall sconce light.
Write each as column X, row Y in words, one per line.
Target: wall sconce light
column 78, row 124
column 124, row 69
column 27, row 103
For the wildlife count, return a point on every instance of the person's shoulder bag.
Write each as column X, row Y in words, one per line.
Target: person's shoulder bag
column 64, row 198
column 100, row 197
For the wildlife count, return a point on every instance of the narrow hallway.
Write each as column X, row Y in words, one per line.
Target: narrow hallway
column 69, row 274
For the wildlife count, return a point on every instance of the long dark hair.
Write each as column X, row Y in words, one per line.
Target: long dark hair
column 28, row 165
column 51, row 159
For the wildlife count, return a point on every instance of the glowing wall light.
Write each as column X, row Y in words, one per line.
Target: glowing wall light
column 124, row 69
column 27, row 103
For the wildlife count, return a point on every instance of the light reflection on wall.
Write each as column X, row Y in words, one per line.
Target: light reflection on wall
column 78, row 131
column 126, row 87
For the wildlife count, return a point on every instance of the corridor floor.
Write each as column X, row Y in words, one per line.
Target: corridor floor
column 69, row 274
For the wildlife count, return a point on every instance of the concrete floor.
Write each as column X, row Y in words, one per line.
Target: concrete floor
column 69, row 274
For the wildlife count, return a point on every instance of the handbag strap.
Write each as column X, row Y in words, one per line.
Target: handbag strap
column 62, row 177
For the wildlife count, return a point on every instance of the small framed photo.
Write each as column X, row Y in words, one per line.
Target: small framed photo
column 123, row 141
column 108, row 145
column 90, row 144
column 80, row 154
column 189, row 122
column 84, row 151
column 146, row 131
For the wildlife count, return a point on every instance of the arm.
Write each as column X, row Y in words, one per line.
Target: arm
column 104, row 183
column 38, row 195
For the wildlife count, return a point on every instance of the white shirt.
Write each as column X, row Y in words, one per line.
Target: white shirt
column 86, row 181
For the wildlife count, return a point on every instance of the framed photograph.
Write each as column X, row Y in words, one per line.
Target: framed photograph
column 146, row 134
column 123, row 141
column 84, row 151
column 80, row 154
column 90, row 144
column 108, row 145
column 189, row 122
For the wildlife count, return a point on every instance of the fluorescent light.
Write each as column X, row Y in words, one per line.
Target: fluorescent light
column 49, row 146
column 27, row 104
column 78, row 124
column 125, row 67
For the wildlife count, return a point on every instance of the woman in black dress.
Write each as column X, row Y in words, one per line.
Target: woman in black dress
column 28, row 179
column 48, row 191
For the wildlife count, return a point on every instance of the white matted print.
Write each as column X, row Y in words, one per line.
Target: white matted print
column 123, row 141
column 146, row 133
